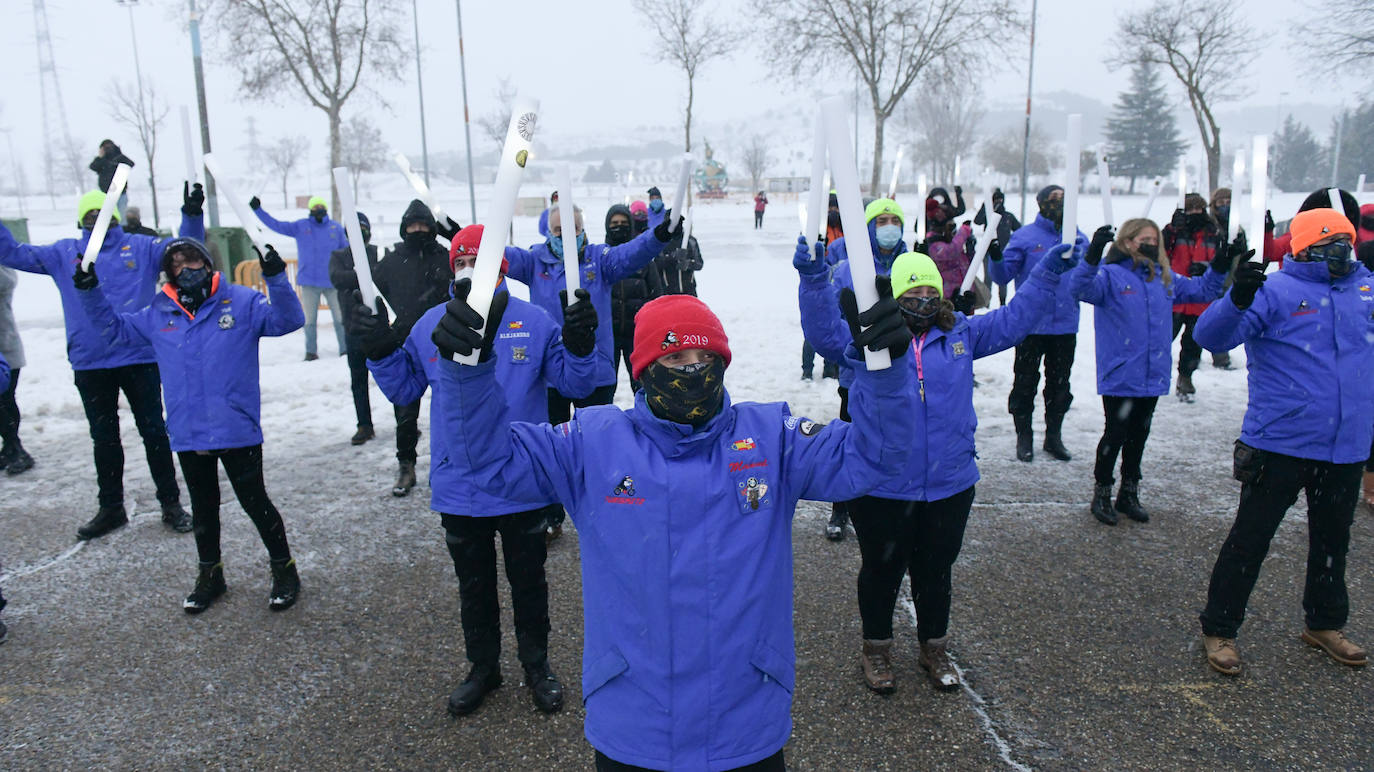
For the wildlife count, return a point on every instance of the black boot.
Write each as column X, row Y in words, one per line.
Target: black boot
column 545, row 690
column 1025, row 438
column 1102, row 504
column 286, row 584
column 176, row 518
column 1054, row 440
column 1128, row 501
column 21, row 463
column 106, row 520
column 405, row 479
column 209, row 586
column 839, row 516
column 481, row 680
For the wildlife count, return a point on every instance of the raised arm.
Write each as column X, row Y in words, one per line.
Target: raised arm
column 115, row 329
column 284, row 228
column 283, row 314
column 625, row 260
column 401, row 374
column 1002, row 328
column 29, row 257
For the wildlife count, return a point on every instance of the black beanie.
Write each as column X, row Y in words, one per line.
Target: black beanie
column 1045, row 192
column 1321, row 199
column 654, row 192
column 179, row 245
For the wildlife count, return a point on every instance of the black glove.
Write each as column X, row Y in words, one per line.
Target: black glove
column 1236, row 250
column 373, row 330
column 447, row 228
column 255, row 203
column 1101, row 238
column 661, row 231
column 1249, row 277
column 966, row 302
column 1268, row 222
column 271, row 263
column 1197, row 269
column 1179, row 220
column 192, row 199
column 83, row 279
column 579, row 323
column 995, row 249
column 460, row 328
column 970, row 245
column 886, row 329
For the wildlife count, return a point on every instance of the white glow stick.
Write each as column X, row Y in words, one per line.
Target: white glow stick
column 356, row 245
column 1237, row 186
column 251, row 224
column 102, row 220
column 1072, row 145
column 981, row 250
column 958, row 162
column 680, row 195
column 1333, row 195
column 896, row 172
column 421, row 189
column 501, row 210
column 801, row 216
column 1150, row 203
column 1104, row 177
column 839, row 142
column 567, row 224
column 686, row 246
column 922, row 188
column 1182, row 185
column 1259, row 192
column 1359, row 186
column 191, row 170
column 811, row 215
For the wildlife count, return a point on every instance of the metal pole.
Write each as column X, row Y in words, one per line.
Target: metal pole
column 1025, row 145
column 1336, row 151
column 210, row 198
column 467, row 122
column 420, row 83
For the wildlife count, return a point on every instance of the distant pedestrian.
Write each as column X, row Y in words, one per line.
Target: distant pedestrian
column 107, row 159
column 760, row 203
column 316, row 237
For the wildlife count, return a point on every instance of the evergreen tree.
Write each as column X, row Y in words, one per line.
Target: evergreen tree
column 1298, row 157
column 1142, row 139
column 1357, row 147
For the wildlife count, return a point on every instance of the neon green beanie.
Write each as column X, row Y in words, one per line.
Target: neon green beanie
column 915, row 269
column 316, row 201
column 883, row 206
column 92, row 201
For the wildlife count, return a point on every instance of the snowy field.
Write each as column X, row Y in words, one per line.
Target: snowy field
column 1079, row 641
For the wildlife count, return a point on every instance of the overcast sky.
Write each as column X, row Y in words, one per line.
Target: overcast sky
column 590, row 62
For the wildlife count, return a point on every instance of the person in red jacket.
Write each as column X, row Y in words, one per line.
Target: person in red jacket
column 1191, row 239
column 760, row 203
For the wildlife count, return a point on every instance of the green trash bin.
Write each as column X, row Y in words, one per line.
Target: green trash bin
column 229, row 247
column 19, row 228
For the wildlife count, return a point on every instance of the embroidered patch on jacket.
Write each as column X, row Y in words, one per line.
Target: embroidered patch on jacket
column 517, row 353
column 1303, row 309
column 754, row 490
column 226, row 321
column 624, row 493
column 745, row 444
column 958, row 348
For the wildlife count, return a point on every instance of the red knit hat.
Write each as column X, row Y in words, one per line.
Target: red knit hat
column 674, row 323
column 466, row 243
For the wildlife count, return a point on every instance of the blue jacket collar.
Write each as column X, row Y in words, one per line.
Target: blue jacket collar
column 674, row 439
column 1315, row 272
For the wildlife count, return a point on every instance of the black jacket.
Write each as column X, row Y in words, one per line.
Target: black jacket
column 345, row 280
column 104, row 166
column 673, row 272
column 1005, row 226
column 414, row 281
column 630, row 294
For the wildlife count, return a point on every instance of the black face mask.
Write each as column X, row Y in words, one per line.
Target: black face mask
column 1053, row 211
column 1223, row 212
column 1336, row 256
column 690, row 395
column 618, row 234
column 832, row 219
column 416, row 240
column 1149, row 250
column 193, row 287
column 1195, row 221
column 919, row 314
column 317, row 216
column 641, row 225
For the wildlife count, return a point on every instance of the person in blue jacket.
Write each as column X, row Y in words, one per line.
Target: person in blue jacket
column 1134, row 291
column 885, row 220
column 317, row 236
column 531, row 350
column 205, row 334
column 1307, row 331
column 656, row 211
column 1053, row 340
column 544, row 215
column 683, row 506
column 541, row 268
column 4, row 385
column 101, row 370
column 915, row 522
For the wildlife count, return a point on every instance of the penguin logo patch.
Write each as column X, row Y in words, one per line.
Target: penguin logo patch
column 226, row 321
column 626, row 486
column 669, row 340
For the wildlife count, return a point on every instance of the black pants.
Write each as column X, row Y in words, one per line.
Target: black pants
column 758, row 219
column 829, row 369
column 919, row 537
column 9, row 413
column 774, row 763
column 142, row 387
column 357, row 382
column 244, row 468
column 1057, row 351
column 1190, row 353
column 1332, row 492
column 1127, row 428
column 472, row 545
column 624, row 347
column 407, row 430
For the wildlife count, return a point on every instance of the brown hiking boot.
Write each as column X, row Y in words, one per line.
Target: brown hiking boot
column 939, row 668
column 877, row 664
column 1222, row 654
column 1334, row 643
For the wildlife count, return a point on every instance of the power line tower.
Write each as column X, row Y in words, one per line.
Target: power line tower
column 50, row 92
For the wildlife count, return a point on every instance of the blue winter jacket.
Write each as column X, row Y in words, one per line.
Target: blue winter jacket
column 209, row 360
column 837, row 254
column 688, row 659
column 1310, row 361
column 602, row 266
column 1134, row 321
column 943, row 458
column 128, row 267
column 1020, row 256
column 529, row 352
column 544, row 222
column 315, row 241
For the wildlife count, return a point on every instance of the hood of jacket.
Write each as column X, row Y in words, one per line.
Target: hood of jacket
column 417, row 212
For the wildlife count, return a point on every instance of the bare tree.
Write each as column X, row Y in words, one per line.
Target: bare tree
column 1205, row 46
column 317, row 49
column 363, row 148
column 756, row 159
column 1338, row 33
column 1002, row 151
column 889, row 43
column 495, row 123
column 945, row 124
column 691, row 36
column 145, row 113
column 282, row 157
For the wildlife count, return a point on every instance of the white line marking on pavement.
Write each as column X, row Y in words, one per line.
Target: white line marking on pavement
column 42, row 564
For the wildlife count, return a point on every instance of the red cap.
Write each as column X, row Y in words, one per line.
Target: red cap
column 674, row 323
column 466, row 243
